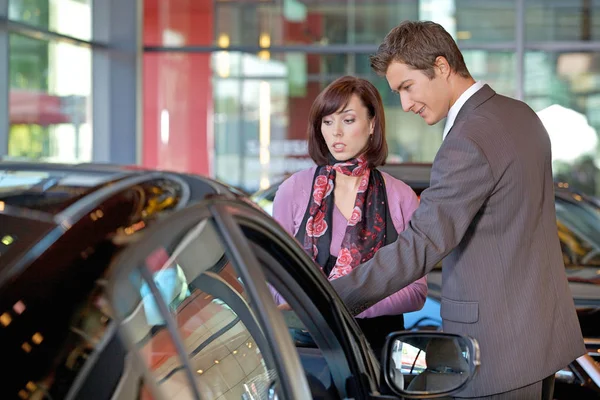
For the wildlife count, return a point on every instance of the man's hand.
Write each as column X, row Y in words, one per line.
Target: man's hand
column 284, row 307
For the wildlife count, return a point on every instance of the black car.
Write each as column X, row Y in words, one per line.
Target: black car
column 123, row 283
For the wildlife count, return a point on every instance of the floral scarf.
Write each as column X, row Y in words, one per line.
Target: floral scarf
column 366, row 229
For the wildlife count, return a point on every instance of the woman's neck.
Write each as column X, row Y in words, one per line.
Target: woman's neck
column 347, row 182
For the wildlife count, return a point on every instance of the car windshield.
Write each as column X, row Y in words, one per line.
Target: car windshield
column 579, row 231
column 48, row 191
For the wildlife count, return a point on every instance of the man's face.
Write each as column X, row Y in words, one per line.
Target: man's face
column 428, row 98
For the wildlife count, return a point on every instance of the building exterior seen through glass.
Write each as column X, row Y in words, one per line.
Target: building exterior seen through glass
column 226, row 86
column 50, row 83
column 543, row 52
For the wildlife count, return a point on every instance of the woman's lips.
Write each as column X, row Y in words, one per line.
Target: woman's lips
column 339, row 147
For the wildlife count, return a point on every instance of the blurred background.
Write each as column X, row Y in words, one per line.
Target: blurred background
column 223, row 87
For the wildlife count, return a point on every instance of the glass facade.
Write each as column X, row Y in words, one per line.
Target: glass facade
column 561, row 20
column 269, row 60
column 69, row 87
column 227, row 85
column 49, row 80
column 68, row 17
column 49, row 100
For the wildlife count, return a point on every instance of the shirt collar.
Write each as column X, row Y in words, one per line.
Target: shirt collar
column 458, row 105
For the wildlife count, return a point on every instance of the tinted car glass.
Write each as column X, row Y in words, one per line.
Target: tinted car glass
column 48, row 191
column 52, row 310
column 579, row 231
column 17, row 234
column 225, row 353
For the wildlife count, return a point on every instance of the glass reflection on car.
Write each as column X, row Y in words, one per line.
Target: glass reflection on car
column 193, row 280
column 579, row 231
column 53, row 312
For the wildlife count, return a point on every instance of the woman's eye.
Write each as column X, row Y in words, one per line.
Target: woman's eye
column 327, row 122
column 348, row 121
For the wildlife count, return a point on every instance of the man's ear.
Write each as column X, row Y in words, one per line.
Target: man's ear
column 442, row 66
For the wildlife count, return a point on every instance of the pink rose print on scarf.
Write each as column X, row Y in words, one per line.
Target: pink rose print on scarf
column 317, row 226
column 360, row 170
column 322, row 189
column 343, row 266
column 356, row 256
column 364, row 183
column 365, row 230
column 355, row 217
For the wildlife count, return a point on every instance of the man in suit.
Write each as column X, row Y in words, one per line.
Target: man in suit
column 488, row 213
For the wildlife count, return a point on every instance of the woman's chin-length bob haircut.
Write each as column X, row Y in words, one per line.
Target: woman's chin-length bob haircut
column 333, row 98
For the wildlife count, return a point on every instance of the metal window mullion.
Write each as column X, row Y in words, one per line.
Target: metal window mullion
column 567, row 47
column 39, row 33
column 351, row 36
column 317, row 48
column 310, row 48
column 492, row 46
column 101, row 83
column 4, row 81
column 116, row 81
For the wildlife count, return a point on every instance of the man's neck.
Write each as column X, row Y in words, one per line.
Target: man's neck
column 458, row 85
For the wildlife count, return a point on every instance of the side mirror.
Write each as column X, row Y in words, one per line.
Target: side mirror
column 429, row 364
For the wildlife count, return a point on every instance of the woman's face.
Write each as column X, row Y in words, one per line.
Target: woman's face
column 347, row 131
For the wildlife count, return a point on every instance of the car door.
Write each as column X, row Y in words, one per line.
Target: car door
column 195, row 300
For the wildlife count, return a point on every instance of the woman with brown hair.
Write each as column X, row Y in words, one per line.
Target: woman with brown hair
column 344, row 209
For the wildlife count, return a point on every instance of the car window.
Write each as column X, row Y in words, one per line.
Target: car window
column 579, row 232
column 225, row 351
column 47, row 191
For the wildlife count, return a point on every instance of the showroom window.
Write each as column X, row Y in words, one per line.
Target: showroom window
column 50, row 85
column 49, row 106
column 245, row 120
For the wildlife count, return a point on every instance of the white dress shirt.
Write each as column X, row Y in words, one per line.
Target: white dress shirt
column 458, row 105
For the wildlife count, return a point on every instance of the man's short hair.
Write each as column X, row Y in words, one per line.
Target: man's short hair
column 418, row 44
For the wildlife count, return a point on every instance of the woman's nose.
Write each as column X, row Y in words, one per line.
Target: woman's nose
column 337, row 130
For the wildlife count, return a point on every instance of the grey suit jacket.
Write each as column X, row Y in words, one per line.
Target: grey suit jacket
column 489, row 214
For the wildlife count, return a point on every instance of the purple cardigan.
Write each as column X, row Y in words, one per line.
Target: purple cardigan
column 290, row 205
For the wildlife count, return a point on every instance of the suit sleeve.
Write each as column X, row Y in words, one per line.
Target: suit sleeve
column 412, row 297
column 461, row 181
